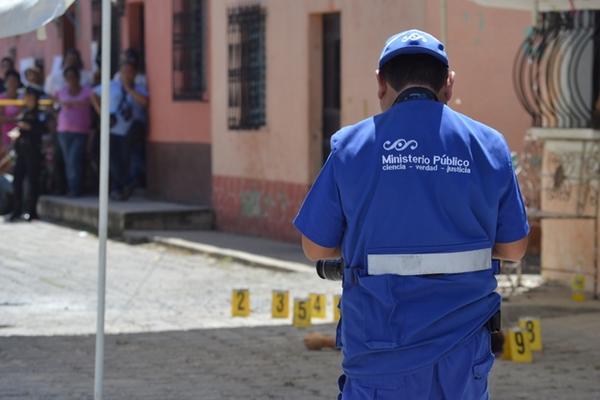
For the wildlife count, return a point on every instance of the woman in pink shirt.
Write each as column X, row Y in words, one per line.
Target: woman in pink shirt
column 9, row 114
column 74, row 122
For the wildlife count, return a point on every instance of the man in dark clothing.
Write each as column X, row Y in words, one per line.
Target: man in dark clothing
column 28, row 148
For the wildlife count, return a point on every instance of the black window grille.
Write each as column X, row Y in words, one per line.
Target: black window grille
column 189, row 81
column 247, row 67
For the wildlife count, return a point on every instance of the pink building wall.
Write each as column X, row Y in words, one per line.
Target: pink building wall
column 260, row 176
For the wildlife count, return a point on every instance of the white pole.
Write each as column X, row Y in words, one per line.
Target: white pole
column 103, row 198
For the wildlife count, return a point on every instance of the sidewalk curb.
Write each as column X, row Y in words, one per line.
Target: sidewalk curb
column 236, row 255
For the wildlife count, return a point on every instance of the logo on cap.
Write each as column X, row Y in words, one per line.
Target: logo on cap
column 414, row 36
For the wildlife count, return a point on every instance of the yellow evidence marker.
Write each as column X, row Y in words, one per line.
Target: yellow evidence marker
column 302, row 311
column 318, row 303
column 578, row 286
column 516, row 347
column 240, row 303
column 336, row 309
column 533, row 329
column 280, row 306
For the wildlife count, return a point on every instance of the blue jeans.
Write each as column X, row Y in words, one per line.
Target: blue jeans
column 72, row 146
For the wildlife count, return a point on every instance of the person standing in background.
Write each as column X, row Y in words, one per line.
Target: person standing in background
column 138, row 131
column 56, row 81
column 74, row 123
column 8, row 116
column 28, row 148
column 35, row 80
column 126, row 98
column 6, row 65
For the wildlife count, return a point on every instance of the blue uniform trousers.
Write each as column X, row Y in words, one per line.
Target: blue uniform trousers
column 462, row 374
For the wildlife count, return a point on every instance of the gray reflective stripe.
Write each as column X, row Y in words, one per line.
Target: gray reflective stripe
column 431, row 263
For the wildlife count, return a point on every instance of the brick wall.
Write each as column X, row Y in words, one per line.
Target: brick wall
column 257, row 207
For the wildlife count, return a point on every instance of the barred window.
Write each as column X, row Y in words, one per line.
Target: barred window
column 189, row 81
column 247, row 77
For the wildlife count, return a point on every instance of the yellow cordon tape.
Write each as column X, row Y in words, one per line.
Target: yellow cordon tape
column 21, row 102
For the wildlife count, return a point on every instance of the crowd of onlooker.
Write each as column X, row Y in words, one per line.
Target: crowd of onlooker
column 52, row 146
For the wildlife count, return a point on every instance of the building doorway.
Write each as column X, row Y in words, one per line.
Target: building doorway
column 116, row 13
column 331, row 74
column 68, row 22
column 136, row 26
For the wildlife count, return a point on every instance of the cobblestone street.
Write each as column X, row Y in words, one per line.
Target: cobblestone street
column 172, row 336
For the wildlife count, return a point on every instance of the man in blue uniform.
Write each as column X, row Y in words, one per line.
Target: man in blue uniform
column 417, row 200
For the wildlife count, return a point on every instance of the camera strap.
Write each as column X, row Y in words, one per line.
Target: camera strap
column 124, row 99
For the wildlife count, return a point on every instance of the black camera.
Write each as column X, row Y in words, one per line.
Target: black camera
column 126, row 113
column 332, row 270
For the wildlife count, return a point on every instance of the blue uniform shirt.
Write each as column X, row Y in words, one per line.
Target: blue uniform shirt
column 416, row 197
column 120, row 100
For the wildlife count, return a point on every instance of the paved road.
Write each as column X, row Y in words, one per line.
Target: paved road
column 174, row 339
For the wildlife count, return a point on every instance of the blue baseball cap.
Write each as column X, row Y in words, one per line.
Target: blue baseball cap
column 413, row 41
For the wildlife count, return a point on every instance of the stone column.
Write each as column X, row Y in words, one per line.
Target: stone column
column 570, row 205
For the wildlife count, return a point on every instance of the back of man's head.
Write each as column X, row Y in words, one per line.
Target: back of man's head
column 414, row 70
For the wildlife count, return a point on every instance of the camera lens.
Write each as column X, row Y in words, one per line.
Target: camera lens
column 332, row 270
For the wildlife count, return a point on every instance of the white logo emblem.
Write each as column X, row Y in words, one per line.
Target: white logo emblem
column 400, row 144
column 414, row 36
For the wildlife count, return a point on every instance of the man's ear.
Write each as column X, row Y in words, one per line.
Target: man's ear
column 381, row 85
column 448, row 89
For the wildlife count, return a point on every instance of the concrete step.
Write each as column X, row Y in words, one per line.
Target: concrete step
column 136, row 214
